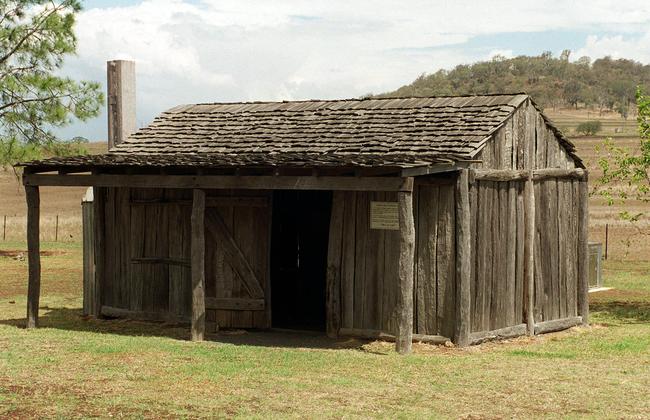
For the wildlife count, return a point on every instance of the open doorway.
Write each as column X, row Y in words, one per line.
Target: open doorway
column 299, row 242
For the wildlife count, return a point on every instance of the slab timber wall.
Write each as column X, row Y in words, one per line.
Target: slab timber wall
column 145, row 255
column 367, row 262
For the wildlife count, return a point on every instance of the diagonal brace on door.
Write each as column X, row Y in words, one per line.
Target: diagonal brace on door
column 216, row 228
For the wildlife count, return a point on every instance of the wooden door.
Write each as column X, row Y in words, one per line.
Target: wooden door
column 237, row 253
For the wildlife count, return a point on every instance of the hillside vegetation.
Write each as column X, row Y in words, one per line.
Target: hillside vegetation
column 604, row 84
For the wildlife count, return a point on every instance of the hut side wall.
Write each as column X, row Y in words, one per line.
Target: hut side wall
column 498, row 285
column 368, row 262
column 146, row 250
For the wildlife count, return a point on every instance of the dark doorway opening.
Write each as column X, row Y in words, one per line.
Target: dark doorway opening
column 299, row 242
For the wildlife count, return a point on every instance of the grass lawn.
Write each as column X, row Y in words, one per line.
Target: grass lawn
column 75, row 367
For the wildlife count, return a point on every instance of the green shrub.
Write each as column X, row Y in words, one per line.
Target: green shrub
column 589, row 128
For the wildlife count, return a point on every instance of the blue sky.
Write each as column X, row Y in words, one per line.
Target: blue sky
column 240, row 50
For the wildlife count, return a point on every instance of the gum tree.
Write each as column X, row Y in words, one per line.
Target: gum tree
column 35, row 37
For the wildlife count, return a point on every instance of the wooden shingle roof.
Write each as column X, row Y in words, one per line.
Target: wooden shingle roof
column 443, row 128
column 399, row 132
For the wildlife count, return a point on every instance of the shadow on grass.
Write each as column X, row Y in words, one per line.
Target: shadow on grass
column 73, row 320
column 625, row 312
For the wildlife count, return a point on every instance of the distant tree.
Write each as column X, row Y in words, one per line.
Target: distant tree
column 589, row 128
column 35, row 37
column 552, row 81
column 623, row 167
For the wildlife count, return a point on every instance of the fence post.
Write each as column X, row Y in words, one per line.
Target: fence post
column 4, row 229
column 56, row 229
column 606, row 238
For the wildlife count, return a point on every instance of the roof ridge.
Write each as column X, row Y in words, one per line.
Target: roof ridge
column 384, row 98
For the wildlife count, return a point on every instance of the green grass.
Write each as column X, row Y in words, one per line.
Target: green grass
column 73, row 367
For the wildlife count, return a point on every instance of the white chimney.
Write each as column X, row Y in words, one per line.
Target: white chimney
column 121, row 100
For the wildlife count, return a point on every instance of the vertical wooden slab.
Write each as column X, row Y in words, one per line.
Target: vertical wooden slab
column 89, row 304
column 463, row 260
column 511, row 255
column 446, row 262
column 198, row 265
column 529, row 250
column 583, row 251
column 99, row 200
column 520, row 281
column 473, row 198
column 33, row 254
column 362, row 227
column 348, row 258
column 391, row 276
column 333, row 281
column 403, row 342
column 554, row 240
column 427, row 240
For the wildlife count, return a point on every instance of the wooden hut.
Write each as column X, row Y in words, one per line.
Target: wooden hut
column 461, row 218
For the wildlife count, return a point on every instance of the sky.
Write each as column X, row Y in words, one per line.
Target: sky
column 240, row 50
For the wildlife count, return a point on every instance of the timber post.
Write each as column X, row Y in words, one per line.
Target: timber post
column 583, row 251
column 198, row 265
column 403, row 342
column 33, row 255
column 463, row 260
column 529, row 252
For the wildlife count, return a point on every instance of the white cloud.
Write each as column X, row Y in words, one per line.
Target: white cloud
column 617, row 46
column 226, row 50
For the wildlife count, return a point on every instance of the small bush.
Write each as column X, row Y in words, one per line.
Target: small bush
column 589, row 128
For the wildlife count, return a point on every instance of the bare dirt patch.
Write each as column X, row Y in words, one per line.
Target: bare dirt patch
column 15, row 253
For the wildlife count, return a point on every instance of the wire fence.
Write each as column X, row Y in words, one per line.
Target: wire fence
column 53, row 228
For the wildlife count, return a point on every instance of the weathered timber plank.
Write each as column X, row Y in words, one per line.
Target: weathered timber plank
column 583, row 252
column 546, row 173
column 335, row 247
column 529, row 252
column 405, row 290
column 198, row 266
column 554, row 239
column 557, row 324
column 498, row 334
column 538, row 306
column 499, row 175
column 362, row 227
column 348, row 259
column 380, row 335
column 224, row 182
column 427, row 241
column 32, row 196
column 162, row 260
column 391, row 275
column 510, row 244
column 445, row 262
column 520, row 281
column 100, row 240
column 473, row 201
column 463, row 260
column 234, row 304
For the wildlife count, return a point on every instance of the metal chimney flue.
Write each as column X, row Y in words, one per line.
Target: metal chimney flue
column 121, row 100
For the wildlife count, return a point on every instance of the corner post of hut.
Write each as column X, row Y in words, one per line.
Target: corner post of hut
column 198, row 265
column 33, row 254
column 583, row 250
column 404, row 339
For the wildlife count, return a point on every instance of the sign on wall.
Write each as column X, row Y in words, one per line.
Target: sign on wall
column 384, row 215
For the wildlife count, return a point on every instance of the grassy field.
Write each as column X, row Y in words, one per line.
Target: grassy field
column 74, row 367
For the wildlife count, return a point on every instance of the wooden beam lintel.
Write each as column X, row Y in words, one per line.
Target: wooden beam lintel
column 342, row 183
